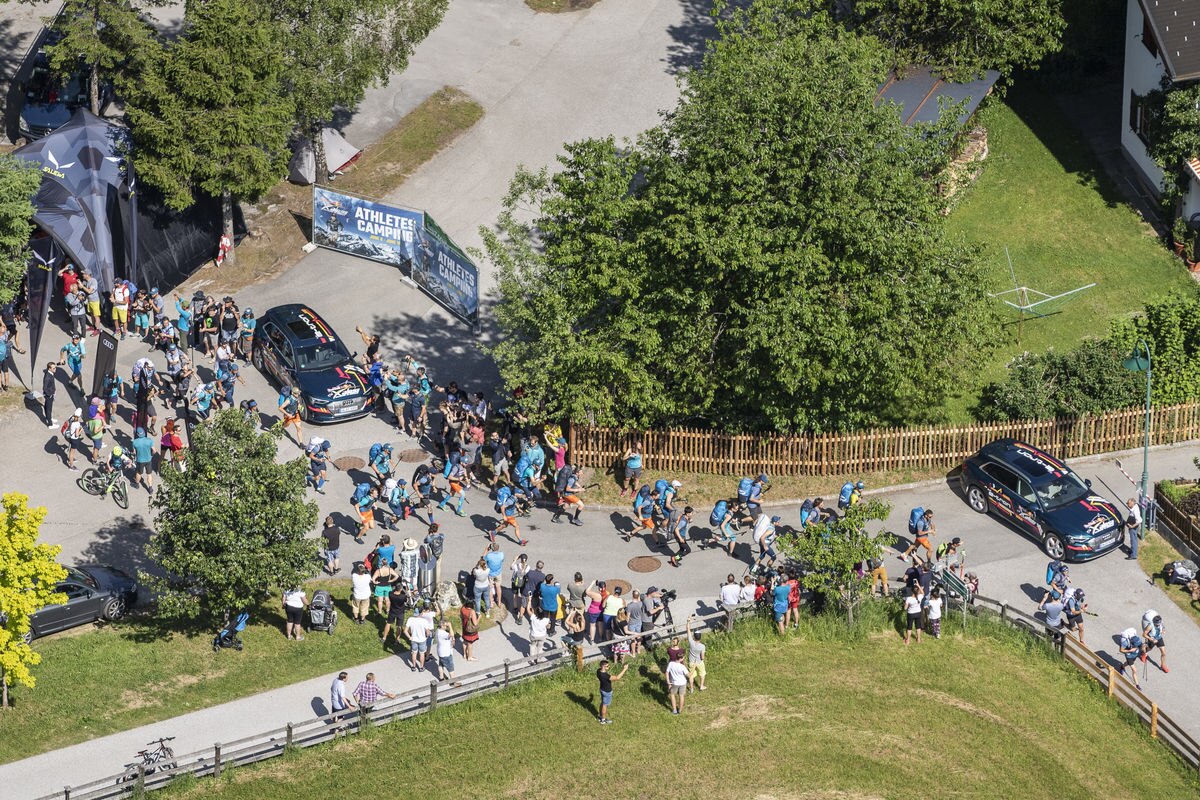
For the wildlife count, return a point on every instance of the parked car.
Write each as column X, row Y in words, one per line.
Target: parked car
column 93, row 592
column 294, row 346
column 1043, row 498
column 51, row 99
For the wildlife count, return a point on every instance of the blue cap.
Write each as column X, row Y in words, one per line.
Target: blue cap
column 140, row 432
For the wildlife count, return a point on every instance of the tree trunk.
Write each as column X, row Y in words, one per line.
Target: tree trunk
column 227, row 224
column 3, row 689
column 94, row 89
column 321, row 175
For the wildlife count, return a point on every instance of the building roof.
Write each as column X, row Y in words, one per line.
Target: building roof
column 919, row 94
column 1176, row 26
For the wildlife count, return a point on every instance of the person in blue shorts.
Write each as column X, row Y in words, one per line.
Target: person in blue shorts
column 606, row 688
column 779, row 604
column 72, row 356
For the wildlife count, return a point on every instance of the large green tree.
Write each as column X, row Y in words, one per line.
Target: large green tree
column 19, row 181
column 959, row 39
column 208, row 113
column 106, row 37
column 29, row 573
column 771, row 256
column 335, row 49
column 233, row 526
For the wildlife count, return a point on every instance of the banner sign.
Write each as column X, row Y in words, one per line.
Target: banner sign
column 409, row 240
column 443, row 270
column 39, row 286
column 106, row 361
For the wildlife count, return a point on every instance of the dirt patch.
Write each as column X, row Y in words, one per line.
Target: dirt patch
column 963, row 170
column 753, row 707
column 960, row 704
column 559, row 6
column 153, row 694
column 830, row 794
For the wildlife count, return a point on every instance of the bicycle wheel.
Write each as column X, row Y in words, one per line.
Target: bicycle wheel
column 120, row 493
column 91, row 482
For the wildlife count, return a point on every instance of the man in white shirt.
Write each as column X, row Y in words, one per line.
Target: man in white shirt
column 1133, row 524
column 731, row 598
column 417, row 629
column 444, row 636
column 677, row 681
column 120, row 307
column 764, row 537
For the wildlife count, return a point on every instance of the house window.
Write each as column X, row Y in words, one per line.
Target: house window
column 1148, row 36
column 1139, row 117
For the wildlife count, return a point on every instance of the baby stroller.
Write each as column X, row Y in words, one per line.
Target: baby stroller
column 228, row 636
column 322, row 616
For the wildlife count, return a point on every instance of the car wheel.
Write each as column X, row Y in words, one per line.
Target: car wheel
column 257, row 358
column 305, row 414
column 1054, row 546
column 977, row 499
column 114, row 609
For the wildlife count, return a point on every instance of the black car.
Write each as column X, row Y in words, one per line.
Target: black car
column 1042, row 498
column 293, row 345
column 93, row 593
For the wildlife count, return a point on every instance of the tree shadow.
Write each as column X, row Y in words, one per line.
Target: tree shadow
column 122, row 544
column 448, row 351
column 691, row 35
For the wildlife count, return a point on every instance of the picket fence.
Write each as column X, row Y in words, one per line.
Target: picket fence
column 878, row 450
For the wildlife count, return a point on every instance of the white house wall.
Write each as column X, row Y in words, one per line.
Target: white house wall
column 1143, row 73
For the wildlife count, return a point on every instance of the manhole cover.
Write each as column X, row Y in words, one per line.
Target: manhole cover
column 349, row 462
column 413, row 455
column 613, row 583
column 644, row 564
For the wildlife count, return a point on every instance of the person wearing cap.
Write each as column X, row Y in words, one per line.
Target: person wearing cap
column 228, row 325
column 331, row 533
column 754, row 500
column 1152, row 637
column 91, row 288
column 633, row 468
column 72, row 431
column 570, row 503
column 202, row 399
column 395, row 497
column 764, row 537
column 245, row 340
column 139, row 308
column 850, row 494
column 229, row 377
column 679, row 533
column 493, row 557
column 143, row 459
column 652, row 608
column 951, row 556
column 318, row 463
column 119, row 297
column 157, row 306
column 1076, row 608
column 558, row 448
column 73, row 353
column 76, row 308
column 183, row 323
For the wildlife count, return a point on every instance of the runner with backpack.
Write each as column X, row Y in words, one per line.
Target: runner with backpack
column 679, row 532
column 643, row 511
column 380, row 459
column 1058, row 578
column 399, row 504
column 920, row 527
column 423, row 484
column 723, row 519
column 506, row 506
column 850, row 494
column 568, row 494
column 363, row 500
column 459, row 483
column 812, row 512
column 1152, row 636
column 750, row 492
column 1131, row 648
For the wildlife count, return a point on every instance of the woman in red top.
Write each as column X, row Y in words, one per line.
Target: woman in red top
column 470, row 631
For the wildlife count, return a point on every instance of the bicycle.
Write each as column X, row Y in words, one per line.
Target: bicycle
column 160, row 759
column 95, row 482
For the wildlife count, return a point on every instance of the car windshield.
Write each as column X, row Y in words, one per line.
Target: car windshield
column 320, row 356
column 1059, row 490
column 81, row 577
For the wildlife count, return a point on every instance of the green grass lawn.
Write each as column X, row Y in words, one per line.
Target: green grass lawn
column 1041, row 194
column 93, row 682
column 1153, row 553
column 815, row 715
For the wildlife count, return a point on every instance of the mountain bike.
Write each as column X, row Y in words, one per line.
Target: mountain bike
column 103, row 482
column 160, row 759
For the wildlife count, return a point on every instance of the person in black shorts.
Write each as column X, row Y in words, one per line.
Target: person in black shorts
column 395, row 614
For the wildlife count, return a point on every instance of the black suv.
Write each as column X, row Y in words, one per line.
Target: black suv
column 93, row 593
column 293, row 345
column 1042, row 498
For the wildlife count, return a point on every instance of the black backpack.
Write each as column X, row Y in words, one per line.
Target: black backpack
column 562, row 477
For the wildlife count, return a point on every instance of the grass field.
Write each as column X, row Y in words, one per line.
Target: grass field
column 816, row 715
column 92, row 682
column 1041, row 194
column 1153, row 553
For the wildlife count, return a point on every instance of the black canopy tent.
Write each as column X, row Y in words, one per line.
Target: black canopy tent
column 95, row 215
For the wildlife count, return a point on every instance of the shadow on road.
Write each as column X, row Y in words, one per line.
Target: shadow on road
column 692, row 34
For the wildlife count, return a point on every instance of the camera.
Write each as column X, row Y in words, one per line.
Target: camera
column 669, row 595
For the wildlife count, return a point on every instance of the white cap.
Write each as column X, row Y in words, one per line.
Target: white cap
column 78, row 412
column 390, row 483
column 314, row 441
column 676, row 484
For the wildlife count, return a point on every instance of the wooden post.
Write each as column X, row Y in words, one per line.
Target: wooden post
column 66, row 793
column 289, row 734
column 506, row 673
column 141, row 778
column 217, row 760
column 433, row 695
column 1112, row 681
column 579, row 657
column 1004, row 610
column 1154, row 720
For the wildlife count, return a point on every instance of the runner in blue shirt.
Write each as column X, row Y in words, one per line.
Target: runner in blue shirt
column 72, row 356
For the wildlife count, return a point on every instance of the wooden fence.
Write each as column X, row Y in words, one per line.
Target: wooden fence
column 879, row 450
column 1183, row 525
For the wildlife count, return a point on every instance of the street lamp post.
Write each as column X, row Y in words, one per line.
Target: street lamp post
column 1137, row 362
